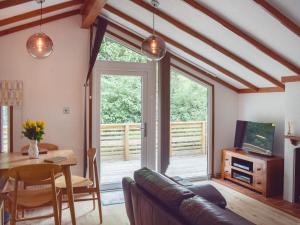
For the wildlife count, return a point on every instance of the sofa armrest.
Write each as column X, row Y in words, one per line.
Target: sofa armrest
column 126, row 183
column 198, row 211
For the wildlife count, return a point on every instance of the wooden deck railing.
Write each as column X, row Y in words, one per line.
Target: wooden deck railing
column 123, row 141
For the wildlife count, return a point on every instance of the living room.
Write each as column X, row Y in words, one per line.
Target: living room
column 202, row 93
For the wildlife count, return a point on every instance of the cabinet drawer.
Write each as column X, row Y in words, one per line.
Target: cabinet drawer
column 258, row 183
column 227, row 159
column 259, row 169
column 227, row 172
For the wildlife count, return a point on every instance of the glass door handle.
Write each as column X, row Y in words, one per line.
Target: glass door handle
column 144, row 129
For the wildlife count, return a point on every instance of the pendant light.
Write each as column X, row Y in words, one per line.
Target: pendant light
column 39, row 45
column 154, row 47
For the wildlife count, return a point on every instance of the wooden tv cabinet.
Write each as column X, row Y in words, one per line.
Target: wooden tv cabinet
column 263, row 174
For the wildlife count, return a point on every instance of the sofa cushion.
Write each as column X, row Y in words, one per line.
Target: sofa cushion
column 198, row 211
column 210, row 193
column 162, row 188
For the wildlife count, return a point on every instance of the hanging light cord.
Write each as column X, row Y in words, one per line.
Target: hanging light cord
column 41, row 17
column 153, row 19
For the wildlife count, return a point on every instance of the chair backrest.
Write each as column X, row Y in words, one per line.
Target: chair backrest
column 93, row 170
column 35, row 174
column 48, row 146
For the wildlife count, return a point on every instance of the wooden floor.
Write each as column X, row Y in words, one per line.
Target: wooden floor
column 112, row 215
column 254, row 210
column 276, row 202
column 250, row 208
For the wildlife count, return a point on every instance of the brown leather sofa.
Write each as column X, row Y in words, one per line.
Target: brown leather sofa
column 154, row 199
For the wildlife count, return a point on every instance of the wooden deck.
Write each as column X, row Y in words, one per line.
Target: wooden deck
column 112, row 171
column 120, row 149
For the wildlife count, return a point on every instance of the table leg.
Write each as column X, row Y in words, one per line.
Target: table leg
column 67, row 173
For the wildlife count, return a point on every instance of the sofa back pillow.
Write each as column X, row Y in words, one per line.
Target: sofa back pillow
column 162, row 188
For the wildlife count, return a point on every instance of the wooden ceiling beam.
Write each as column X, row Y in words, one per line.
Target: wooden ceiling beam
column 209, row 42
column 288, row 79
column 261, row 90
column 10, row 3
column 90, row 10
column 181, row 47
column 269, row 52
column 279, row 16
column 37, row 12
column 37, row 22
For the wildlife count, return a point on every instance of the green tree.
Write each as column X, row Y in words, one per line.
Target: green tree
column 188, row 99
column 113, row 51
column 120, row 99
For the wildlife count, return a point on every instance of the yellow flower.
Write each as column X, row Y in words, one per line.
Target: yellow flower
column 37, row 129
column 40, row 124
column 27, row 123
column 33, row 124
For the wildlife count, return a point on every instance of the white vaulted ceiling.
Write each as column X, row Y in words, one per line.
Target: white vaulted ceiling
column 246, row 15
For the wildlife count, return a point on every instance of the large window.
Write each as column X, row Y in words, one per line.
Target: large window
column 4, row 129
column 188, row 127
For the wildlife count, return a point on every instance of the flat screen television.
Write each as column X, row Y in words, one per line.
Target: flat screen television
column 255, row 137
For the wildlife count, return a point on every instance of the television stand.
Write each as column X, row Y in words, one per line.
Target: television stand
column 263, row 174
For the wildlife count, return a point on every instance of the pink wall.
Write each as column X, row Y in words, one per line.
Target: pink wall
column 50, row 84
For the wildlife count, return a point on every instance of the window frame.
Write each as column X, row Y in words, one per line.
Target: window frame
column 10, row 129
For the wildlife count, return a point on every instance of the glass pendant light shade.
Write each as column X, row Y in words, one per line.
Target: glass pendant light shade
column 39, row 45
column 154, row 48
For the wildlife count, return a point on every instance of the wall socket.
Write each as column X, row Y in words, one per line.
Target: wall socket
column 66, row 110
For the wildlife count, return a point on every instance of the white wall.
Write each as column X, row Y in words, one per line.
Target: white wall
column 226, row 114
column 265, row 107
column 51, row 83
column 292, row 114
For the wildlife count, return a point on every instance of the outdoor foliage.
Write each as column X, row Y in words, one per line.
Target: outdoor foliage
column 121, row 95
column 188, row 99
column 113, row 51
column 120, row 99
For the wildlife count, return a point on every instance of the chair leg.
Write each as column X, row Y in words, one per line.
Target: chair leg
column 55, row 211
column 94, row 201
column 60, row 207
column 99, row 205
column 13, row 214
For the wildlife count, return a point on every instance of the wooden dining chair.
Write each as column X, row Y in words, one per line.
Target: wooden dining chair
column 35, row 174
column 47, row 146
column 82, row 185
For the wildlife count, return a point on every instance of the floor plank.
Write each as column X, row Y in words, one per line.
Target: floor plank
column 276, row 202
column 254, row 210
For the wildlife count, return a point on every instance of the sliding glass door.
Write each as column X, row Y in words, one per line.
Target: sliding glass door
column 189, row 120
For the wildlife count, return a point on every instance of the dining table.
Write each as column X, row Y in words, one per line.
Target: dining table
column 10, row 160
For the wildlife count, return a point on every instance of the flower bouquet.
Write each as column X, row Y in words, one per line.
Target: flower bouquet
column 34, row 131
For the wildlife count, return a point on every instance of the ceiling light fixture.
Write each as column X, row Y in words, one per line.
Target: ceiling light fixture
column 154, row 47
column 39, row 45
